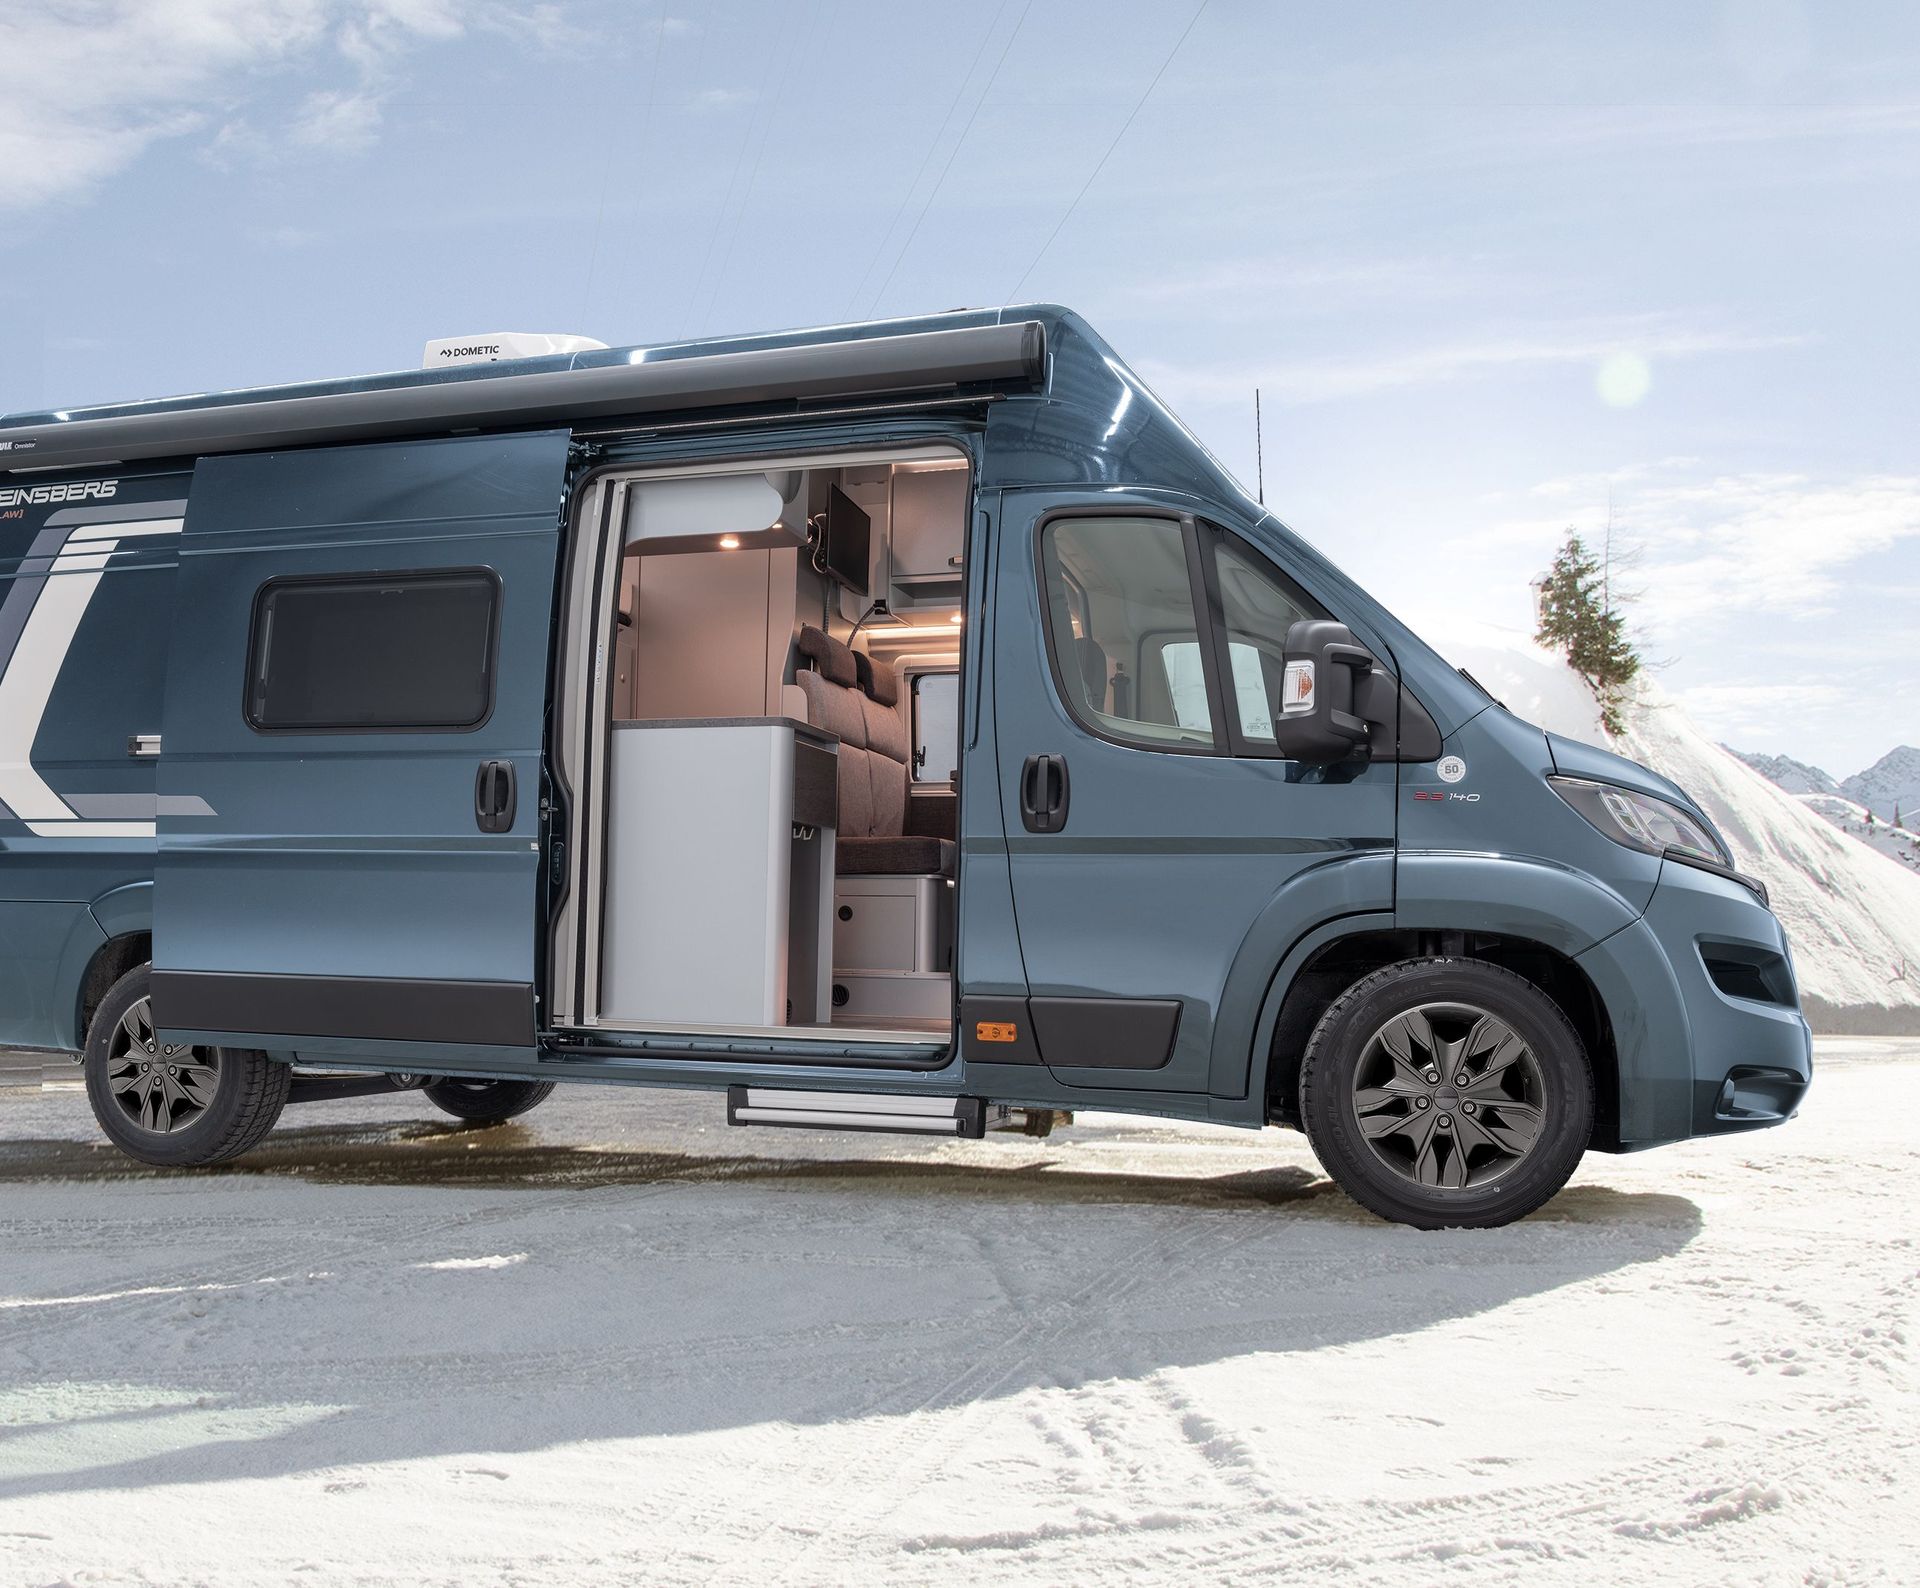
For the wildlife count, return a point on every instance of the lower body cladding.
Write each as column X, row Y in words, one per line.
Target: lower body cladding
column 879, row 1111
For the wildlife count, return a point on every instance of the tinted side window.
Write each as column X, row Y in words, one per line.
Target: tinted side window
column 1257, row 607
column 1125, row 635
column 397, row 651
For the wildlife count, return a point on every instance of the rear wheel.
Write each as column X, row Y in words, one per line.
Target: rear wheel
column 169, row 1105
column 487, row 1102
column 1442, row 1092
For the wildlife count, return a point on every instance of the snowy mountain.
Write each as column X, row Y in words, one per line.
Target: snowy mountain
column 1796, row 777
column 1893, row 780
column 1851, row 910
column 1901, row 843
column 1864, row 805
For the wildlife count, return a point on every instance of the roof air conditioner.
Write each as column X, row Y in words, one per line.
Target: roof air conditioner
column 497, row 345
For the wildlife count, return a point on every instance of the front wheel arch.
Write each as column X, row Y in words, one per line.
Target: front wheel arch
column 1335, row 965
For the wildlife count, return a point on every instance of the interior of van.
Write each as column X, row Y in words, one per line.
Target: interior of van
column 757, row 746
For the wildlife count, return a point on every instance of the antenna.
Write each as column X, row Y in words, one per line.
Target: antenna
column 1259, row 451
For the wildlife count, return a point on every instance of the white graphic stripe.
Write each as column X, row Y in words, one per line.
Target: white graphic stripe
column 38, row 655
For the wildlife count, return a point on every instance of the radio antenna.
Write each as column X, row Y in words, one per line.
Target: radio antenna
column 1259, row 451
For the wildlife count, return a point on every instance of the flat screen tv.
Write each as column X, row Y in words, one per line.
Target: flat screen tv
column 849, row 541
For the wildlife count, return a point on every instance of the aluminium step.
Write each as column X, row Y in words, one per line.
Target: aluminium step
column 880, row 1111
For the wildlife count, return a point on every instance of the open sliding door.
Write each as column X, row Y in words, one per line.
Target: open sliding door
column 351, row 756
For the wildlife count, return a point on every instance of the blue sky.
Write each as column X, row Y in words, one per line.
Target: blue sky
column 1493, row 266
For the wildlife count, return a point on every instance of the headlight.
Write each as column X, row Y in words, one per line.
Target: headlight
column 1640, row 821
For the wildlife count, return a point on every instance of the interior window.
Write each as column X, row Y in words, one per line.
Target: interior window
column 1258, row 606
column 936, row 726
column 396, row 651
column 1125, row 635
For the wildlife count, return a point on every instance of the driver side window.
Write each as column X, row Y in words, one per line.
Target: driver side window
column 1120, row 608
column 1160, row 626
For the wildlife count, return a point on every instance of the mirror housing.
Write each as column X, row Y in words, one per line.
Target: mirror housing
column 1333, row 697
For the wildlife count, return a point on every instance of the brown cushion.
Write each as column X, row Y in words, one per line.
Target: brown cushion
column 829, row 657
column 894, row 857
column 878, row 682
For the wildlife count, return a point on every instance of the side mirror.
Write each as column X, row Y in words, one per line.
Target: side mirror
column 1328, row 706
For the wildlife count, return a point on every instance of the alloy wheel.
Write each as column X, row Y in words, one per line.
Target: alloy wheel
column 1448, row 1096
column 160, row 1088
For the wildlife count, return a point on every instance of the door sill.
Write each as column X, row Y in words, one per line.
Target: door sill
column 915, row 1046
column 929, row 1033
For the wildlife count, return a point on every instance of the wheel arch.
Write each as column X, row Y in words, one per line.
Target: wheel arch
column 1340, row 961
column 126, row 916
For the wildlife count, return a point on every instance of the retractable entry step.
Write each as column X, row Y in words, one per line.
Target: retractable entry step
column 915, row 1116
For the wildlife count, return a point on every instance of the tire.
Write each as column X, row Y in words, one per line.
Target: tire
column 487, row 1102
column 1481, row 1146
column 175, row 1108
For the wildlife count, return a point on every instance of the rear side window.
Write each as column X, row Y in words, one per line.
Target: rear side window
column 408, row 651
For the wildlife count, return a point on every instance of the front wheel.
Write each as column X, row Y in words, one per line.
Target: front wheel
column 1446, row 1092
column 175, row 1106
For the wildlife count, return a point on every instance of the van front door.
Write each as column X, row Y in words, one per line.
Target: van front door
column 1150, row 821
column 350, row 769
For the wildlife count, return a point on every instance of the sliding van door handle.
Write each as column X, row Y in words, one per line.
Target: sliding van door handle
column 494, row 796
column 1043, row 793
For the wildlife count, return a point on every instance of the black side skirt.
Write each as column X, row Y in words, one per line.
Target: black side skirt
column 369, row 1008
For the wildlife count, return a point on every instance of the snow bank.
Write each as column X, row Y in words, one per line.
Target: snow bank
column 1852, row 912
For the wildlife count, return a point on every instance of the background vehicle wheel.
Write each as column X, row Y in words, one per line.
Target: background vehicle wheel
column 487, row 1102
column 1446, row 1092
column 175, row 1106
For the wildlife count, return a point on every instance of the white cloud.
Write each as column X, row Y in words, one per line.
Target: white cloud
column 333, row 119
column 1731, row 549
column 91, row 84
column 720, row 98
column 1589, row 343
column 1760, row 706
column 1765, row 542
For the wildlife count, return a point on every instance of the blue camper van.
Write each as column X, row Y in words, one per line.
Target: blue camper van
column 891, row 726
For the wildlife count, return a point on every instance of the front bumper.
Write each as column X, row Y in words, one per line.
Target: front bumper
column 1708, row 1032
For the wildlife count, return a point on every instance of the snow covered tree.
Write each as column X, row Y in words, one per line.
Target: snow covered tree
column 1579, row 619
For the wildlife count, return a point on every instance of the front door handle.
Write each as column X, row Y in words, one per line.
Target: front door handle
column 495, row 798
column 1043, row 793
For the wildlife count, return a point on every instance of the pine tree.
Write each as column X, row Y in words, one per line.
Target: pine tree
column 1578, row 619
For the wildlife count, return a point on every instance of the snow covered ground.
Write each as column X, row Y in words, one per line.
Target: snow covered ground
column 618, row 1342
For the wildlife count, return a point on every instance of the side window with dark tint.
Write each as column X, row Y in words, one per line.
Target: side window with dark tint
column 394, row 652
column 1257, row 607
column 1125, row 636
